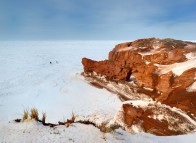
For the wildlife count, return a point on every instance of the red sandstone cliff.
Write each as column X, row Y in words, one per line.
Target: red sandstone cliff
column 162, row 69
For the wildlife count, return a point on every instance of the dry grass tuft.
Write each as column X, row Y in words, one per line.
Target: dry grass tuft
column 73, row 117
column 107, row 129
column 25, row 114
column 43, row 118
column 70, row 121
column 34, row 114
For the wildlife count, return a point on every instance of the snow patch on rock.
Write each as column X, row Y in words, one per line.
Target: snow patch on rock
column 127, row 49
column 139, row 103
column 191, row 55
column 177, row 68
column 192, row 88
column 158, row 117
column 152, row 52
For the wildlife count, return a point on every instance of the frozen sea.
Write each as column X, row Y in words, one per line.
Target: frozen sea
column 46, row 75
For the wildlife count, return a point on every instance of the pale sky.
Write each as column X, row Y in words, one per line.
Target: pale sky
column 97, row 19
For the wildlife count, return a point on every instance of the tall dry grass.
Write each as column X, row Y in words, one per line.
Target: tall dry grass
column 34, row 114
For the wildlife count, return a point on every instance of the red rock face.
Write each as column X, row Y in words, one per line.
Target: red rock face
column 155, row 119
column 166, row 67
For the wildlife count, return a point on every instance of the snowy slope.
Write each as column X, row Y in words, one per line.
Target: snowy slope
column 29, row 80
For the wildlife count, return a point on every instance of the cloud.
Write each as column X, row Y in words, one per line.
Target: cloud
column 103, row 19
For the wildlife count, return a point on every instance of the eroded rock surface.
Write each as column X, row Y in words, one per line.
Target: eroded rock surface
column 152, row 117
column 162, row 69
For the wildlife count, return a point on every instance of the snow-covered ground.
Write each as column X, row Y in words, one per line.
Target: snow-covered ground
column 28, row 79
column 35, row 132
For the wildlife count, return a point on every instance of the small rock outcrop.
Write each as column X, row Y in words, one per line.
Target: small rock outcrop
column 152, row 117
column 162, row 69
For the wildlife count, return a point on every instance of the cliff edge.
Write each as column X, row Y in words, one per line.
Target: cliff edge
column 158, row 70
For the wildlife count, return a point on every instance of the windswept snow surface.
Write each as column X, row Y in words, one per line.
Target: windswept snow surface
column 27, row 79
column 34, row 132
column 46, row 75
